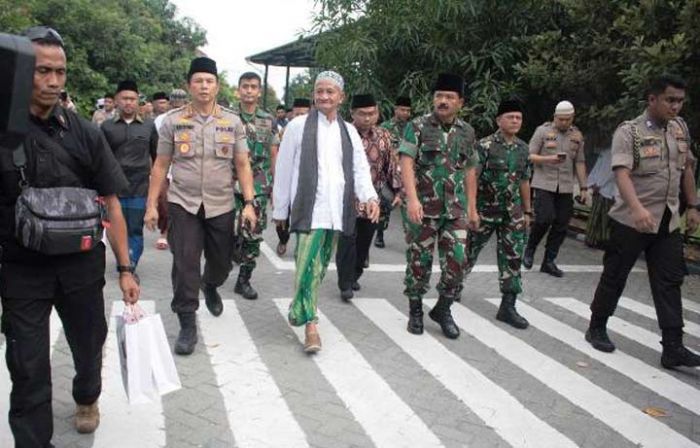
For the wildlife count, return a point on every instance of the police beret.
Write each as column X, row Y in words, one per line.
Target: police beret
column 510, row 105
column 449, row 82
column 202, row 65
column 127, row 85
column 160, row 96
column 301, row 102
column 403, row 101
column 363, row 100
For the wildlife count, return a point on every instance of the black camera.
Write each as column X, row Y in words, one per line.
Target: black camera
column 16, row 77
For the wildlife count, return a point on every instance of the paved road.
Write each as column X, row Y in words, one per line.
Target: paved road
column 249, row 384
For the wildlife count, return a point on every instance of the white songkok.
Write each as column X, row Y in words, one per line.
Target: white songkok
column 331, row 76
column 564, row 108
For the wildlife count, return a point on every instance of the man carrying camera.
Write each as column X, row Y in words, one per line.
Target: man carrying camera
column 63, row 269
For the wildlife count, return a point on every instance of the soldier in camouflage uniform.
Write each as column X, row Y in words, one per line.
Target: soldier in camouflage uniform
column 503, row 202
column 263, row 142
column 396, row 126
column 438, row 166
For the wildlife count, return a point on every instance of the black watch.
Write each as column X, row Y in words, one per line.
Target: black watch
column 122, row 269
column 249, row 202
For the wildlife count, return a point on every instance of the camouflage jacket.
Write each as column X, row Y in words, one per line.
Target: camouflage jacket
column 397, row 129
column 441, row 158
column 261, row 136
column 502, row 167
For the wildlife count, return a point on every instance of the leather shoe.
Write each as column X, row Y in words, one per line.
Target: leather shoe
column 213, row 300
column 379, row 241
column 346, row 294
column 281, row 249
column 598, row 338
column 528, row 258
column 508, row 314
column 87, row 418
column 675, row 354
column 549, row 267
column 187, row 337
column 356, row 286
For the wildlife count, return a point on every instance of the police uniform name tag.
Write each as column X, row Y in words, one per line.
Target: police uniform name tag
column 648, row 152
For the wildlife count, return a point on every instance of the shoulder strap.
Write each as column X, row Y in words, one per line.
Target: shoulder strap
column 20, row 157
column 636, row 144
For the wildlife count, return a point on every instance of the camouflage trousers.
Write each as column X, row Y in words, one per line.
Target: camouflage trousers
column 509, row 249
column 250, row 249
column 451, row 238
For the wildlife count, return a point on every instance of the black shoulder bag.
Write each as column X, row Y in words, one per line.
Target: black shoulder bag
column 56, row 220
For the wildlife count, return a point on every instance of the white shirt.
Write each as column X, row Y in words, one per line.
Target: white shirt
column 603, row 176
column 328, row 205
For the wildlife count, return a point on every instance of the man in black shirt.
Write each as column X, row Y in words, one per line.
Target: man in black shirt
column 32, row 282
column 134, row 141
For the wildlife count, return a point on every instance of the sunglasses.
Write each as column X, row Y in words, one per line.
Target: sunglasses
column 44, row 33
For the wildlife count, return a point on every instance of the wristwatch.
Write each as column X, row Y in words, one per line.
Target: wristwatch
column 528, row 213
column 121, row 269
column 249, row 202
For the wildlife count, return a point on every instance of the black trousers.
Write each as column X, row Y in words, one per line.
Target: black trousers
column 553, row 211
column 188, row 236
column 25, row 323
column 664, row 257
column 352, row 252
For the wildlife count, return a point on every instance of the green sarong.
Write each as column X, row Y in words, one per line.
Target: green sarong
column 312, row 256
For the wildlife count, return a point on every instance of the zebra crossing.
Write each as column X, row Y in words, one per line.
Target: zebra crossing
column 261, row 412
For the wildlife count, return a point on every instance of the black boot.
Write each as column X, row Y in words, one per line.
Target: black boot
column 415, row 316
column 379, row 239
column 508, row 314
column 598, row 338
column 675, row 354
column 549, row 267
column 243, row 284
column 213, row 300
column 528, row 257
column 442, row 315
column 187, row 338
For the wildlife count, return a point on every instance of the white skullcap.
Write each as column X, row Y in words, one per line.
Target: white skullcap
column 564, row 108
column 100, row 103
column 331, row 76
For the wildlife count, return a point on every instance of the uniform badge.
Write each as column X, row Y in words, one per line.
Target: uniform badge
column 185, row 137
column 650, row 151
column 224, row 149
column 184, row 148
column 223, row 122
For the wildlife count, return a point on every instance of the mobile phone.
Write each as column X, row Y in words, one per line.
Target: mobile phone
column 64, row 95
column 561, row 156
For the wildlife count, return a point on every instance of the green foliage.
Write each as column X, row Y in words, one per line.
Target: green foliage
column 113, row 40
column 597, row 53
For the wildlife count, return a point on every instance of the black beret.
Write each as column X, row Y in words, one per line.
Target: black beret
column 509, row 105
column 403, row 101
column 160, row 96
column 281, row 107
column 363, row 100
column 127, row 85
column 202, row 65
column 450, row 83
column 301, row 102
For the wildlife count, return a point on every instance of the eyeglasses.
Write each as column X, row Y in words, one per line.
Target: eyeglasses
column 43, row 33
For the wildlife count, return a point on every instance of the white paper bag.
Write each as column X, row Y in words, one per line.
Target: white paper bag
column 162, row 363
column 134, row 357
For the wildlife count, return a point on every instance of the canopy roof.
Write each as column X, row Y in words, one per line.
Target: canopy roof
column 299, row 53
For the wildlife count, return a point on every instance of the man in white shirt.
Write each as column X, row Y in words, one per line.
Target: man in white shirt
column 320, row 203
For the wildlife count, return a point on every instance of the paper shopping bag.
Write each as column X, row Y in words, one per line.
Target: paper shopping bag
column 134, row 356
column 162, row 363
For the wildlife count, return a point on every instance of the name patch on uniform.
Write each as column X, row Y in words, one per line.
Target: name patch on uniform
column 224, row 129
column 223, row 122
column 650, row 151
column 181, row 126
column 549, row 144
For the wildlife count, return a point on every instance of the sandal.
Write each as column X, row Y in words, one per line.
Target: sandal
column 162, row 244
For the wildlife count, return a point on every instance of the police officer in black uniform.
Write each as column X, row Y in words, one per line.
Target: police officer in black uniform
column 32, row 282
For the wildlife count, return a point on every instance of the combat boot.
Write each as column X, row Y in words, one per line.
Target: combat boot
column 379, row 239
column 213, row 300
column 508, row 314
column 675, row 354
column 243, row 284
column 415, row 316
column 442, row 315
column 187, row 338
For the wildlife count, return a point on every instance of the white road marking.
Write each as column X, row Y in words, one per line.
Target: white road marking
column 494, row 405
column 648, row 311
column 386, row 419
column 257, row 413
